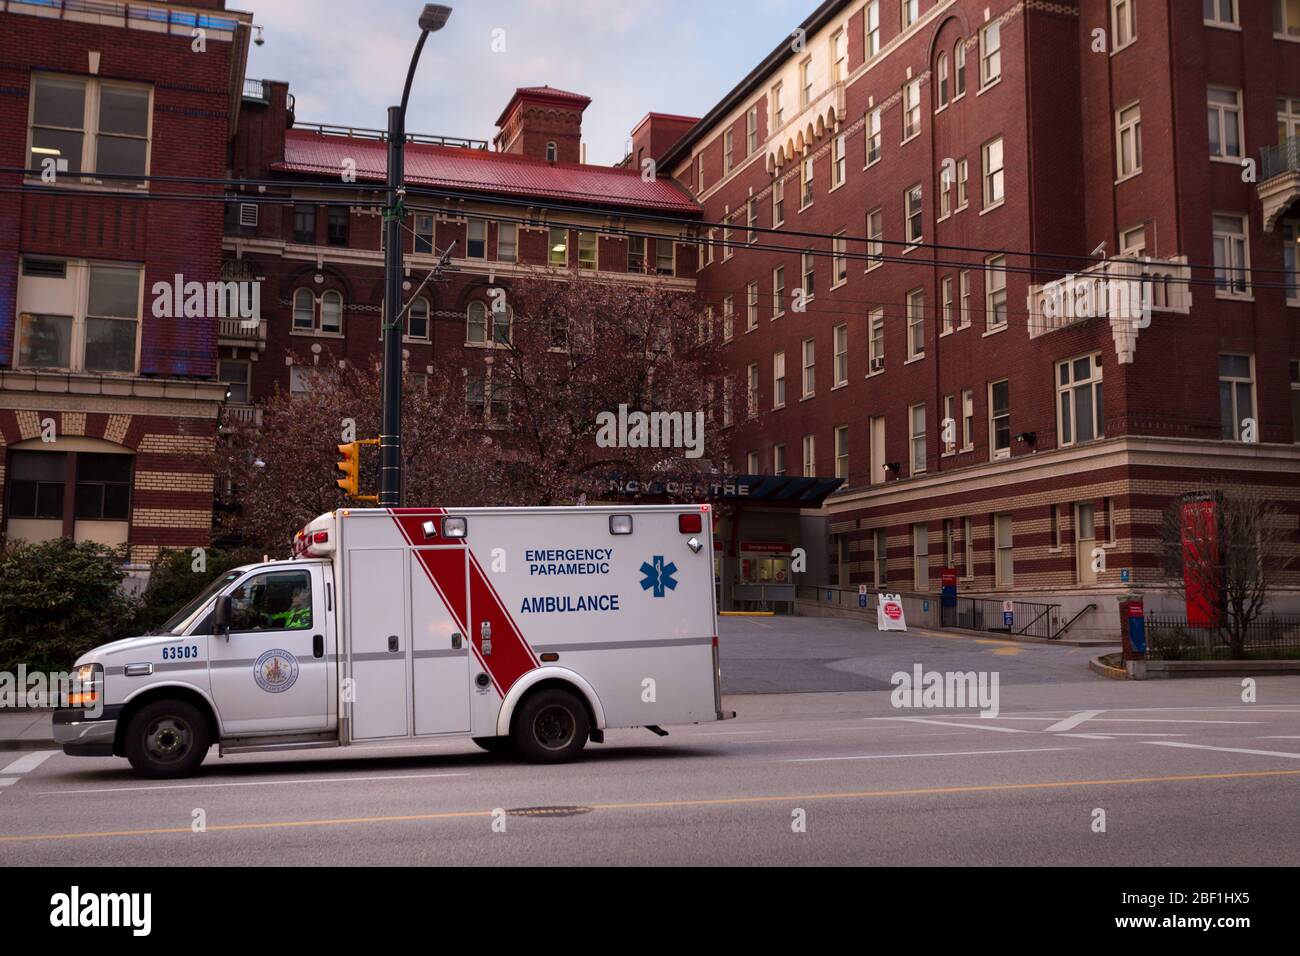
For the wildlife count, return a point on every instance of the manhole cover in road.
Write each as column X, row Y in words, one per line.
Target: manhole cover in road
column 547, row 811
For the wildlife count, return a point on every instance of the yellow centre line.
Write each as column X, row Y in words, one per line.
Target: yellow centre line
column 671, row 804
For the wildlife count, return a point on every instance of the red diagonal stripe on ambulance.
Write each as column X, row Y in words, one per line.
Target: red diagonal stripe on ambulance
column 511, row 656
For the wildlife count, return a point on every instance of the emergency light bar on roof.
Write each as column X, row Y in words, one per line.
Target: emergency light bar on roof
column 132, row 16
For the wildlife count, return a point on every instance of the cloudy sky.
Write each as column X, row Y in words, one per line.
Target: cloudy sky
column 345, row 61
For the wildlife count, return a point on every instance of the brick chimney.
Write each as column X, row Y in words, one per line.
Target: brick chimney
column 544, row 122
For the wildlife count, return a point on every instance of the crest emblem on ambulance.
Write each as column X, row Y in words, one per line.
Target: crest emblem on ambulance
column 276, row 671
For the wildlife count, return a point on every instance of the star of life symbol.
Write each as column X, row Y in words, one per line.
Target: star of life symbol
column 658, row 575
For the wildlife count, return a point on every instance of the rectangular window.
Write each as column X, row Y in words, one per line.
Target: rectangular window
column 778, row 380
column 86, row 319
column 778, row 459
column 809, row 385
column 727, row 250
column 751, row 398
column 838, row 161
column 1295, row 400
column 558, row 242
column 36, row 481
column 636, row 255
column 967, row 419
column 664, row 260
column 508, row 242
column 841, row 340
column 946, row 316
column 1056, row 528
column 810, row 456
column 916, row 434
column 911, row 109
column 948, row 427
column 1004, row 543
column 1231, row 256
column 304, row 224
column 963, row 291
column 751, row 130
column 912, row 213
column 990, row 54
column 876, row 344
column 1000, row 419
column 726, row 151
column 839, row 56
column 915, row 324
column 1123, row 22
column 586, row 250
column 995, row 295
column 871, row 27
column 805, row 82
column 875, row 236
column 423, row 233
column 962, row 169
column 881, row 552
column 991, row 157
column 751, row 463
column 873, row 137
column 417, row 319
column 778, row 107
column 778, row 291
column 1224, row 122
column 839, row 259
column 1079, row 399
column 1128, row 141
column 751, row 220
column 1236, row 395
column 778, row 202
column 103, row 491
column 968, row 544
column 911, row 11
column 1220, row 13
column 921, row 557
column 842, row 453
column 235, row 374
column 806, row 193
column 97, row 127
column 949, row 543
column 337, row 225
column 1133, row 242
column 1286, row 18
column 728, row 401
column 809, row 266
column 751, row 307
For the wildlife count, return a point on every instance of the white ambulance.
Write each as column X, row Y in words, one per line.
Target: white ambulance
column 530, row 630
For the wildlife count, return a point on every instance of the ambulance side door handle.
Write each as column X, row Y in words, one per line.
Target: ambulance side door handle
column 318, row 646
column 392, row 643
column 455, row 642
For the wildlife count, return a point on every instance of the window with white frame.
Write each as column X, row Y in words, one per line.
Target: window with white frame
column 1128, row 141
column 1288, row 118
column 636, row 263
column 665, row 260
column 990, row 54
column 751, row 463
column 875, row 237
column 968, row 546
column 916, row 323
column 963, row 291
column 921, row 557
column 1079, row 399
column 946, row 177
column 558, row 243
column 967, row 419
column 810, row 456
column 1231, row 256
column 806, row 181
column 778, row 379
column 1000, row 419
column 1123, row 23
column 916, row 435
column 946, row 316
column 871, row 130
column 838, row 161
column 778, row 459
column 1236, row 395
column 751, row 394
column 1004, row 545
column 876, row 343
column 963, row 168
column 1291, row 259
column 508, row 242
column 751, row 220
column 880, row 552
column 871, row 27
column 751, row 130
column 1294, row 367
column 476, row 239
column 1220, row 13
column 727, row 251
column 728, row 397
column 97, row 127
column 941, row 71
column 995, row 292
column 78, row 316
column 948, row 427
column 805, row 82
column 237, row 376
column 727, row 136
column 840, row 337
column 809, row 274
column 586, row 250
column 839, row 259
column 479, row 318
column 417, row 319
column 911, row 10
column 959, row 68
column 1133, row 242
column 751, row 306
column 778, row 202
column 991, row 162
column 699, row 173
column 1225, row 122
column 911, row 108
column 778, row 107
column 842, row 452
column 423, row 233
column 809, row 379
column 839, row 56
column 321, row 314
column 1286, row 18
column 912, row 213
column 778, row 291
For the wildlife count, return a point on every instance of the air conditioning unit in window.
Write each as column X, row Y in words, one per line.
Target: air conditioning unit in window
column 877, row 365
column 248, row 214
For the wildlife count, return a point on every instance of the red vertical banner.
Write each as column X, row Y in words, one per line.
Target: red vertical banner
column 1202, row 577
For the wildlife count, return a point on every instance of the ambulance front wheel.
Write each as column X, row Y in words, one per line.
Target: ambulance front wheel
column 167, row 738
column 551, row 727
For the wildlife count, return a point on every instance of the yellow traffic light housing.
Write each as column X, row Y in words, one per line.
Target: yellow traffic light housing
column 351, row 468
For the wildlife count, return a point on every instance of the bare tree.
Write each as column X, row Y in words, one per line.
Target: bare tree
column 1224, row 550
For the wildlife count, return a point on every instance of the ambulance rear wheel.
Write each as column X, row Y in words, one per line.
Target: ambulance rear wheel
column 168, row 738
column 551, row 727
column 497, row 746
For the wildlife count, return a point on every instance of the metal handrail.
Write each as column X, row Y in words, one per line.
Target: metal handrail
column 1279, row 159
column 364, row 132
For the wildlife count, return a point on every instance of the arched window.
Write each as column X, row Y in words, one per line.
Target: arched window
column 304, row 310
column 331, row 312
column 959, row 69
column 476, row 323
column 417, row 319
column 501, row 321
column 941, row 70
column 552, row 151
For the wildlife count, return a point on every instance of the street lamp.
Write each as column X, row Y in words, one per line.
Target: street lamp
column 433, row 17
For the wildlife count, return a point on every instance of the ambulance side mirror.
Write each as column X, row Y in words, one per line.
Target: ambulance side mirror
column 221, row 615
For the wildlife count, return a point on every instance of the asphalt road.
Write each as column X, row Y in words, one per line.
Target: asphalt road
column 1184, row 771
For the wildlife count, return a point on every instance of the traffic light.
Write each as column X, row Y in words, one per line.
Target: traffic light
column 351, row 468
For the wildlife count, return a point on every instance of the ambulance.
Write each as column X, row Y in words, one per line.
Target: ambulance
column 528, row 630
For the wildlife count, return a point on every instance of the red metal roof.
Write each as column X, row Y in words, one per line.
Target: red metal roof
column 481, row 171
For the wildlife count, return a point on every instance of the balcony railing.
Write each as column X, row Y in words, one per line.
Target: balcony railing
column 240, row 333
column 1279, row 159
column 240, row 414
column 154, row 17
column 362, row 132
column 1279, row 180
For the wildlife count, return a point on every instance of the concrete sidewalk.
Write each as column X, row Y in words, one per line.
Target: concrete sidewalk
column 26, row 730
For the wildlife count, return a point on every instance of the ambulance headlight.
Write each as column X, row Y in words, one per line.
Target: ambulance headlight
column 86, row 685
column 454, row 527
column 620, row 524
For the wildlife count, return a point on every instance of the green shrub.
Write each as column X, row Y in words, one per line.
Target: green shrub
column 58, row 599
column 174, row 579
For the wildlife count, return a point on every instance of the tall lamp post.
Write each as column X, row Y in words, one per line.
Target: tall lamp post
column 433, row 17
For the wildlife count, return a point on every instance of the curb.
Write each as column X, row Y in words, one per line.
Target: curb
column 1026, row 639
column 1105, row 670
